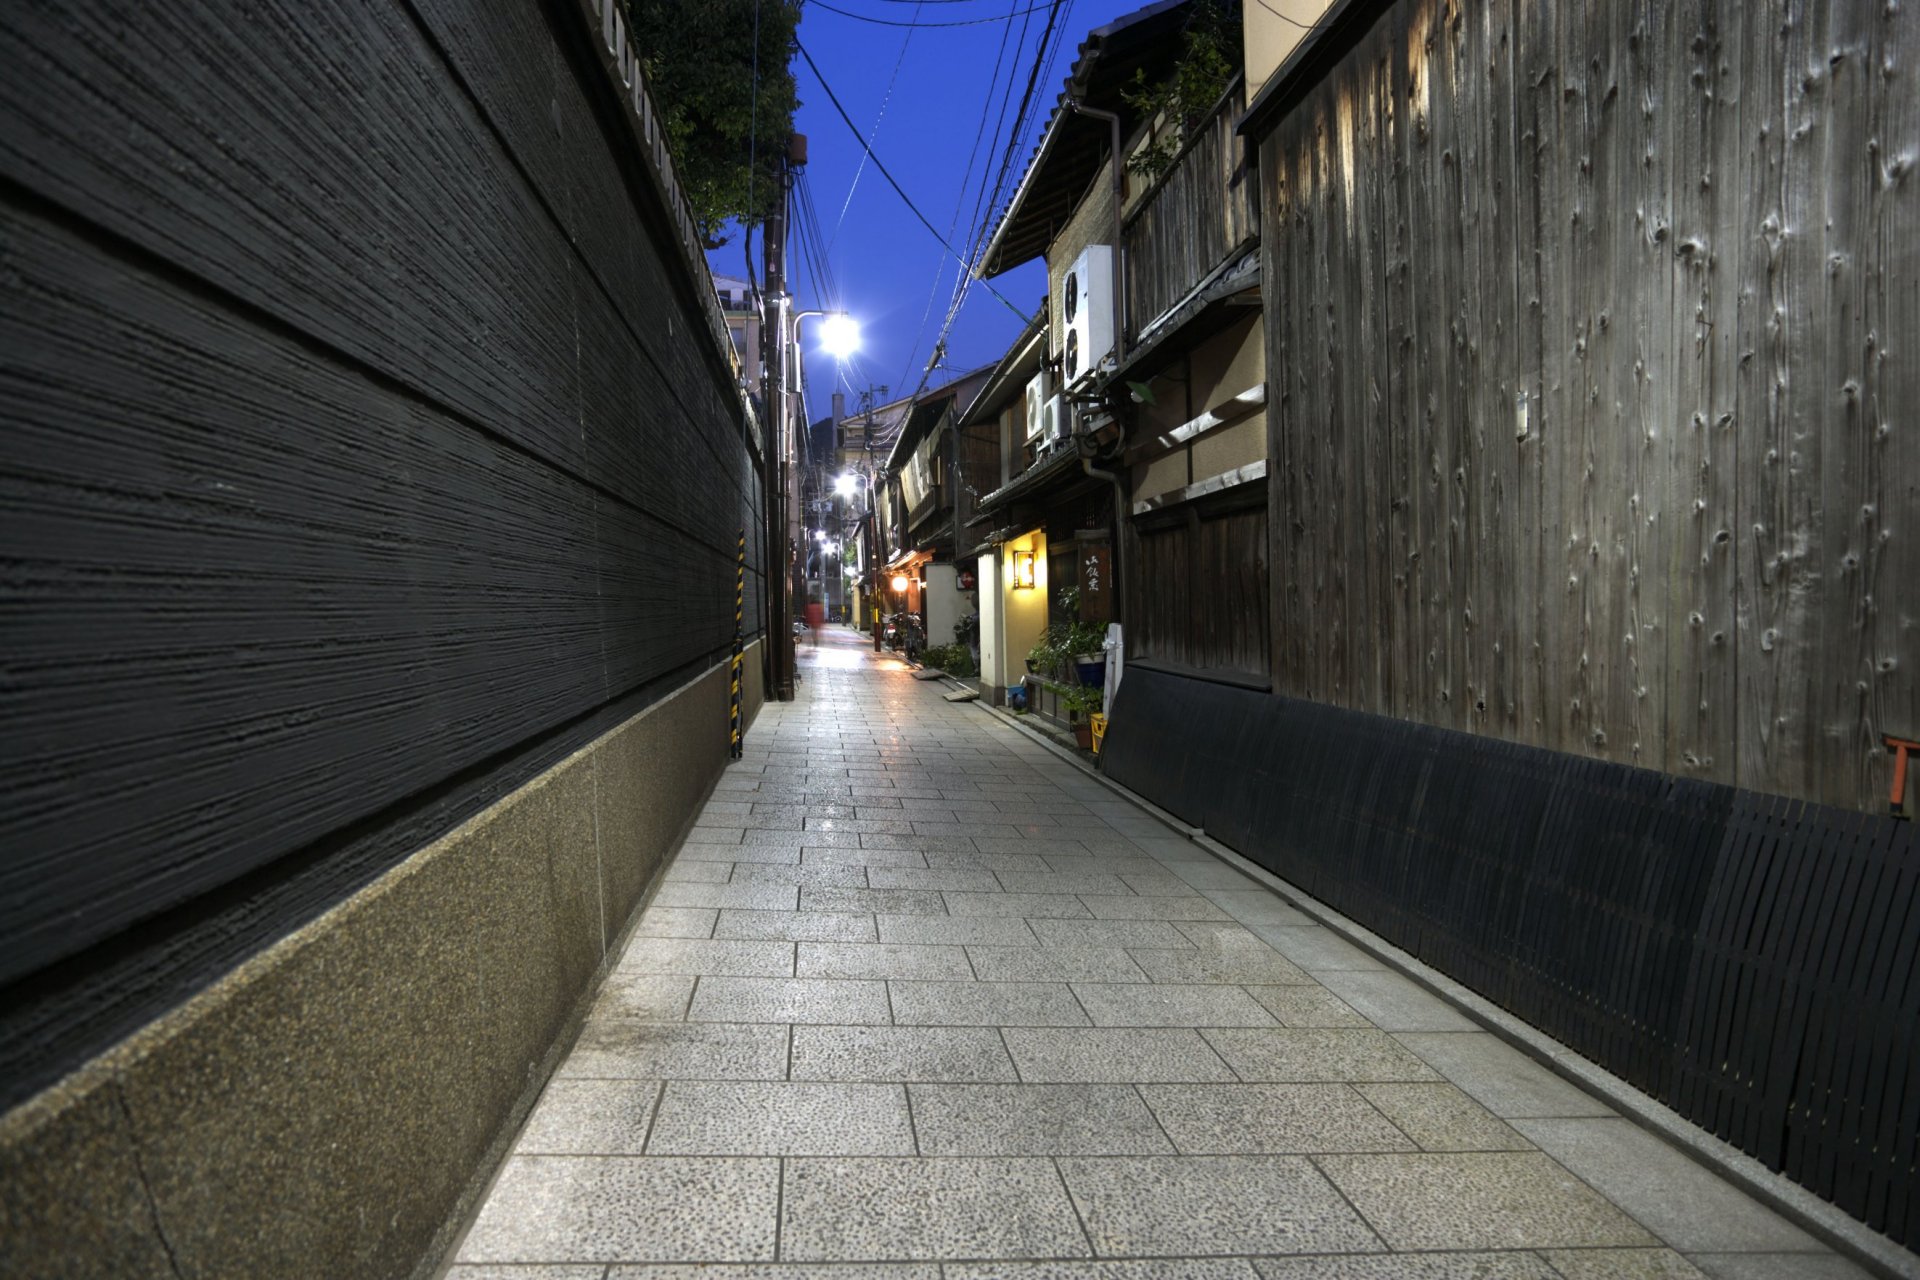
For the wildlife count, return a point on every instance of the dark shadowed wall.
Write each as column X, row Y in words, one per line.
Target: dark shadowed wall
column 1592, row 335
column 366, row 450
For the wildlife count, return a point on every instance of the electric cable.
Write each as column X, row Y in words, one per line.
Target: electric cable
column 888, row 175
column 891, row 22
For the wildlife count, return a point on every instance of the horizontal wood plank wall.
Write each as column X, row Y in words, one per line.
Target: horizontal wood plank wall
column 363, row 432
column 1204, row 206
column 1590, row 335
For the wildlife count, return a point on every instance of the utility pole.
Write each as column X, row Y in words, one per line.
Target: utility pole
column 773, row 363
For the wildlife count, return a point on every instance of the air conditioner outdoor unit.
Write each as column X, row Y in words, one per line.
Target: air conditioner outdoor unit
column 1086, row 313
column 1059, row 421
column 1039, row 394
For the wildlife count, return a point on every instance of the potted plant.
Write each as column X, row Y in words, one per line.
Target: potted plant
column 1082, row 702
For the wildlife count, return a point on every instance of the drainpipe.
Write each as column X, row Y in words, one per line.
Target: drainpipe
column 1119, row 245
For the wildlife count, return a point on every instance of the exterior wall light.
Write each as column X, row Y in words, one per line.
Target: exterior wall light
column 1022, row 570
column 900, row 582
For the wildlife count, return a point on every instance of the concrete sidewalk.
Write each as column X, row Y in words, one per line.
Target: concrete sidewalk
column 918, row 994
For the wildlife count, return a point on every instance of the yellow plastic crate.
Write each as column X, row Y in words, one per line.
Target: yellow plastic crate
column 1099, row 723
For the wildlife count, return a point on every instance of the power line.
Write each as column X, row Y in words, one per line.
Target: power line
column 891, row 22
column 888, row 175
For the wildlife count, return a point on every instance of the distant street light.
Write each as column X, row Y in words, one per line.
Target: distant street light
column 840, row 335
column 846, row 486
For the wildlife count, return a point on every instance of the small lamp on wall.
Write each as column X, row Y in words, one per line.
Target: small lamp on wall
column 899, row 582
column 1022, row 570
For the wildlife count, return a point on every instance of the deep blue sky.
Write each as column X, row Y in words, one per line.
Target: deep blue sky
column 884, row 261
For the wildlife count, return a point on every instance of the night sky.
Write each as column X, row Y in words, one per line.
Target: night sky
column 890, row 271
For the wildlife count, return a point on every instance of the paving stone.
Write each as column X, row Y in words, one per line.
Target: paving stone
column 863, row 858
column 1160, row 883
column 742, row 1118
column 715, row 835
column 1034, row 1120
column 1627, row 1264
column 817, row 1000
column 1482, row 1200
column 1075, row 882
column 1062, row 906
column 596, row 1208
column 759, row 897
column 900, row 1053
column 1308, row 1054
column 802, row 874
column 1108, row 1055
column 1410, row 1266
column 1225, row 965
column 886, row 1209
column 1220, row 934
column 957, row 860
column 1137, row 907
column 510, row 1271
column 1441, row 1118
column 1316, row 949
column 1154, row 1269
column 868, row 960
column 796, row 926
column 896, row 823
column 1191, row 1206
column 1110, row 933
column 803, row 839
column 1254, row 904
column 686, row 872
column 942, row 878
column 642, row 1051
column 780, row 1271
column 1271, row 1119
column 646, row 997
column 1306, row 1006
column 1395, row 1003
column 707, row 956
column 1500, row 1077
column 921, row 902
column 1776, row 1266
column 1166, row 1005
column 990, row 931
column 985, row 1004
column 1691, row 1208
column 735, row 853
column 1054, row 964
column 590, row 1117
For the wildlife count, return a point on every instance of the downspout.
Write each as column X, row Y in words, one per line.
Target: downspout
column 1119, row 244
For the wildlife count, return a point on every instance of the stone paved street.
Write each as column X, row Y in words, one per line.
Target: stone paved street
column 918, row 993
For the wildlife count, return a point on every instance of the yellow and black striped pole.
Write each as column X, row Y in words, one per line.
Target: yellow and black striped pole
column 739, row 615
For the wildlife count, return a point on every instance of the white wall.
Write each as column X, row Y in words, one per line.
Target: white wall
column 944, row 603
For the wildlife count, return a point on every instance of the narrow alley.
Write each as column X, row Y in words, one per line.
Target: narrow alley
column 918, row 991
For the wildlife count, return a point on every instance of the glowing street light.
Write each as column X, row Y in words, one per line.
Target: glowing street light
column 846, row 486
column 840, row 334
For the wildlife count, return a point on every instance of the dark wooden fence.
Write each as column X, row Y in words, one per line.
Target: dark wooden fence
column 366, row 445
column 1201, row 209
column 1748, row 960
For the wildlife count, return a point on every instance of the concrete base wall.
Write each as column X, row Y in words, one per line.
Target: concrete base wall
column 331, row 1107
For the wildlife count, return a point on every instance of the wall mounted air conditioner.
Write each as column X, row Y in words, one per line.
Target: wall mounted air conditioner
column 1039, row 394
column 1086, row 314
column 1059, row 422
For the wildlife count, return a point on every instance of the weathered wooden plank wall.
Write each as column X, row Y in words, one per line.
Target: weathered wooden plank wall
column 1199, row 211
column 1206, row 609
column 364, row 446
column 1592, row 335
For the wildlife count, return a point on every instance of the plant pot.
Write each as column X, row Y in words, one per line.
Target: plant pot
column 1091, row 668
column 1029, row 666
column 1083, row 734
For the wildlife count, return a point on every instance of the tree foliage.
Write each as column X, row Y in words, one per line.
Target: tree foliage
column 698, row 58
column 1210, row 53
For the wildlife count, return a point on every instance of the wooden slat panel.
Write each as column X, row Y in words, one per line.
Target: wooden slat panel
column 1585, row 423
